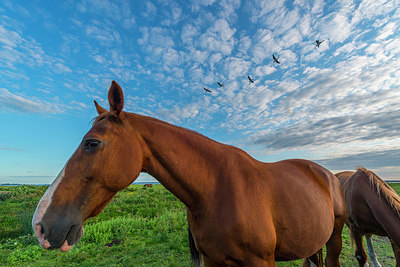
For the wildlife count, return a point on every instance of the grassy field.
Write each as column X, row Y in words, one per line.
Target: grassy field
column 140, row 226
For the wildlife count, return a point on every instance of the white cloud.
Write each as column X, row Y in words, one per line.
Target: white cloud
column 117, row 12
column 157, row 42
column 228, row 9
column 289, row 58
column 188, row 32
column 100, row 59
column 218, row 38
column 282, row 20
column 171, row 57
column 264, row 70
column 349, row 48
column 213, row 59
column 369, row 9
column 387, row 30
column 150, row 10
column 259, row 8
column 78, row 105
column 199, row 56
column 236, row 67
column 179, row 113
column 129, row 23
column 20, row 49
column 160, row 37
column 196, row 73
column 173, row 13
column 318, row 6
column 265, row 45
column 352, row 99
column 305, row 25
column 105, row 35
column 9, row 38
column 291, row 38
column 337, row 27
column 287, row 86
column 245, row 43
column 197, row 4
column 176, row 13
column 60, row 68
column 19, row 103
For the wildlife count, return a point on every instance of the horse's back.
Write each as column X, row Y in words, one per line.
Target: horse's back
column 309, row 176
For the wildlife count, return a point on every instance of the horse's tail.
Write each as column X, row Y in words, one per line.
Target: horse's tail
column 194, row 253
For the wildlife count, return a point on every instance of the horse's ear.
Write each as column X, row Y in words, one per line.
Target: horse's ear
column 99, row 109
column 115, row 98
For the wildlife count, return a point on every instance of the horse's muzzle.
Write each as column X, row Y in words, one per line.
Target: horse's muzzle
column 61, row 236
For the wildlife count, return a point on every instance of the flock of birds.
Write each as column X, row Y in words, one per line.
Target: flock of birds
column 208, row 90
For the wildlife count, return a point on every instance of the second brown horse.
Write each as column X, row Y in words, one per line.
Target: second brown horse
column 372, row 207
column 240, row 211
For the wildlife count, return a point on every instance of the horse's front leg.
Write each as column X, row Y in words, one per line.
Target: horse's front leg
column 360, row 254
column 396, row 251
column 371, row 252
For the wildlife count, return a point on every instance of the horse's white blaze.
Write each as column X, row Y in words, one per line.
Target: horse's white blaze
column 42, row 207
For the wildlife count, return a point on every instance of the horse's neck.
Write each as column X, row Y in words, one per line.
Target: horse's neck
column 184, row 162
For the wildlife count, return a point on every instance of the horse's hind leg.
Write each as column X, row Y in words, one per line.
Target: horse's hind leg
column 360, row 254
column 334, row 244
column 371, row 252
column 396, row 252
column 314, row 260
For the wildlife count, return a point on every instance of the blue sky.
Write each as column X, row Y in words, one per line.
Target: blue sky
column 338, row 104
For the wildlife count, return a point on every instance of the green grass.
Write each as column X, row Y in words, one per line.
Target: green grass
column 146, row 226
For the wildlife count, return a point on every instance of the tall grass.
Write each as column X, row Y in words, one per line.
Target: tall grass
column 4, row 195
column 25, row 220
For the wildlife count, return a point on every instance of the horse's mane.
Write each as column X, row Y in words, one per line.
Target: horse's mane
column 383, row 189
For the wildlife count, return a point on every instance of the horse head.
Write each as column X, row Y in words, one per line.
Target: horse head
column 107, row 160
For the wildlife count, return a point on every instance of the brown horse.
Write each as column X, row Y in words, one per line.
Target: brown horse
column 240, row 211
column 372, row 207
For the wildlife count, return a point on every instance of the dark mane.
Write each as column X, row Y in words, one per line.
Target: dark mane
column 383, row 189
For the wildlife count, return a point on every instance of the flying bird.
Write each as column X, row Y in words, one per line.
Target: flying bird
column 250, row 79
column 220, row 84
column 275, row 59
column 318, row 43
column 207, row 90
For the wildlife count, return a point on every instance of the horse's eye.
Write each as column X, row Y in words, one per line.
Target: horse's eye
column 91, row 145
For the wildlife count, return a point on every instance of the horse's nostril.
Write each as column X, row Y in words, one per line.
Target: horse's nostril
column 39, row 229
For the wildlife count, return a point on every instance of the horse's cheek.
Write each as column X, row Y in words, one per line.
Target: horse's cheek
column 126, row 167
